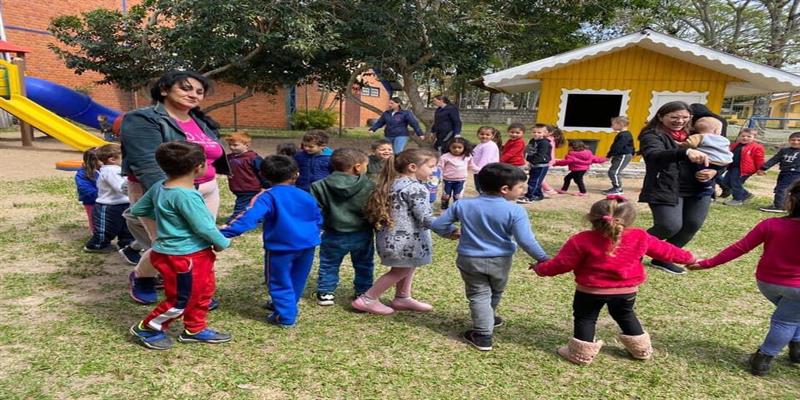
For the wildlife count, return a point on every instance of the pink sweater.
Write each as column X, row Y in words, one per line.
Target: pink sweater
column 484, row 153
column 454, row 168
column 596, row 271
column 780, row 261
column 580, row 160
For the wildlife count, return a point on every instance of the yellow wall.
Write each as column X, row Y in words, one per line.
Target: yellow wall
column 638, row 70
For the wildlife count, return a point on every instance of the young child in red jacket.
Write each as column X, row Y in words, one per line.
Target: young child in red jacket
column 748, row 157
column 578, row 160
column 513, row 151
column 606, row 261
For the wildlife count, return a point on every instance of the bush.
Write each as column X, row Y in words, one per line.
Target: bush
column 314, row 119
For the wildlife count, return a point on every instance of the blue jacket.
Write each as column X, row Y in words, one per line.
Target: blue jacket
column 397, row 124
column 313, row 167
column 446, row 119
column 143, row 130
column 292, row 220
column 87, row 188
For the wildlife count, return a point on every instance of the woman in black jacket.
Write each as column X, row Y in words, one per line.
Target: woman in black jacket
column 446, row 122
column 672, row 186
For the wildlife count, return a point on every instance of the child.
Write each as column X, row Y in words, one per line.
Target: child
column 556, row 138
column 400, row 212
column 485, row 248
column 777, row 276
column 86, row 183
column 708, row 139
column 381, row 151
column 607, row 263
column 182, row 251
column 286, row 149
column 455, row 168
column 513, row 152
column 578, row 160
column 620, row 153
column 342, row 197
column 486, row 152
column 245, row 180
column 537, row 154
column 111, row 202
column 789, row 159
column 106, row 129
column 748, row 157
column 312, row 162
column 292, row 224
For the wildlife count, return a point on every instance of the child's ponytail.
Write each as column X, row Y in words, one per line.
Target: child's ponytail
column 610, row 217
column 377, row 210
column 90, row 163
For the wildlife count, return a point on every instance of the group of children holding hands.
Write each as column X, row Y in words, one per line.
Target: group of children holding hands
column 350, row 202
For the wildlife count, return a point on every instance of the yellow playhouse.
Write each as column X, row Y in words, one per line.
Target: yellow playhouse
column 633, row 75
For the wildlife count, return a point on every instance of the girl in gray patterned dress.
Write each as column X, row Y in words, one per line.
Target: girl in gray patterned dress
column 401, row 214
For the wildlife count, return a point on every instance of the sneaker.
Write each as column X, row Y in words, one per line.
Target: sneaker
column 772, row 210
column 150, row 338
column 667, row 267
column 747, row 197
column 608, row 191
column 362, row 303
column 101, row 250
column 207, row 335
column 142, row 290
column 130, row 255
column 409, row 304
column 213, row 305
column 268, row 305
column 498, row 321
column 537, row 198
column 524, row 200
column 480, row 342
column 580, row 194
column 614, row 191
column 760, row 363
column 734, row 203
column 561, row 191
column 275, row 319
column 325, row 299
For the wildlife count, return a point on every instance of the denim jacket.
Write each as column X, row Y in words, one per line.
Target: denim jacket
column 143, row 130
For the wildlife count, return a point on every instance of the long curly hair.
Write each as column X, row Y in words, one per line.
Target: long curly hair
column 378, row 210
column 610, row 217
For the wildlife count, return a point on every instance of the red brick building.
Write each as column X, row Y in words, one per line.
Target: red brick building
column 25, row 23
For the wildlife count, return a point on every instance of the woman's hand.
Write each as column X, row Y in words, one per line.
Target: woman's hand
column 705, row 175
column 697, row 157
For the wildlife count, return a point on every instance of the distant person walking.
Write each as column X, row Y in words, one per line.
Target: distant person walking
column 446, row 123
column 397, row 121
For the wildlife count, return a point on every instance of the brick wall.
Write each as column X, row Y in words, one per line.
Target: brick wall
column 496, row 117
column 262, row 110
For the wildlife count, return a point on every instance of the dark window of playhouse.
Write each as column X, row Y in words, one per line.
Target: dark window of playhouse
column 592, row 110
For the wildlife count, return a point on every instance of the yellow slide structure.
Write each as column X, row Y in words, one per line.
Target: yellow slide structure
column 12, row 100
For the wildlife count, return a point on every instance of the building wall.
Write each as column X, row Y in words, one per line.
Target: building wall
column 638, row 70
column 262, row 110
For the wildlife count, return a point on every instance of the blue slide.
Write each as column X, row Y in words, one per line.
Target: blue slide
column 67, row 103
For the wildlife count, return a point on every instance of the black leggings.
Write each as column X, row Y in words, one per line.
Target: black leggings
column 578, row 177
column 586, row 307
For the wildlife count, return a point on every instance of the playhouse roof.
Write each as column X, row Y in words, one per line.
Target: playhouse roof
column 755, row 78
column 6, row 47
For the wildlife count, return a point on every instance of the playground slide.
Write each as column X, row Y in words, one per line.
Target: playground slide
column 67, row 103
column 50, row 123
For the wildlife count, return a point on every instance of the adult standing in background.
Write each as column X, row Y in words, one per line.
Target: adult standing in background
column 699, row 110
column 397, row 121
column 446, row 122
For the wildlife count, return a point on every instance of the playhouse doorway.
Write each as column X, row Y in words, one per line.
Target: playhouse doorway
column 661, row 98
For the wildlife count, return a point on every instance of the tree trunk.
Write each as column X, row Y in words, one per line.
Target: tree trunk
column 411, row 89
column 247, row 94
column 496, row 101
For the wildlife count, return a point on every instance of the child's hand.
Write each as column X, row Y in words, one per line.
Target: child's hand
column 532, row 267
column 761, row 172
column 218, row 248
column 455, row 235
column 694, row 266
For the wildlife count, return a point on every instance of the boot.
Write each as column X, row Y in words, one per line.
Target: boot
column 445, row 204
column 794, row 352
column 580, row 352
column 638, row 346
column 760, row 363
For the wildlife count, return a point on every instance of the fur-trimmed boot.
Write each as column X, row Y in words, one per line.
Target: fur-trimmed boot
column 638, row 346
column 580, row 352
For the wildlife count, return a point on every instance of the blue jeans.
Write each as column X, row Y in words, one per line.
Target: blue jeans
column 452, row 189
column 733, row 181
column 109, row 223
column 336, row 245
column 287, row 273
column 785, row 179
column 535, row 179
column 242, row 202
column 398, row 143
column 784, row 326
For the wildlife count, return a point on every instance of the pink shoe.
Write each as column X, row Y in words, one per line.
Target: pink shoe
column 579, row 194
column 560, row 191
column 371, row 306
column 410, row 304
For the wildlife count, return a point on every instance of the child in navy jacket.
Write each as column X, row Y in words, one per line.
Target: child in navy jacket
column 312, row 161
column 292, row 223
column 86, row 183
column 245, row 180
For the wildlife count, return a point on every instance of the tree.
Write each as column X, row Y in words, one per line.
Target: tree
column 259, row 45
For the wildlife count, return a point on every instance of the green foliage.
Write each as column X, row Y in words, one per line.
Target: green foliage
column 314, row 119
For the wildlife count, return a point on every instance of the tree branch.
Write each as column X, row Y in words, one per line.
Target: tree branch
column 247, row 94
column 232, row 64
column 349, row 94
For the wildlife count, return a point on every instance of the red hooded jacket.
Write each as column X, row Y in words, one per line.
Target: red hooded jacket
column 752, row 158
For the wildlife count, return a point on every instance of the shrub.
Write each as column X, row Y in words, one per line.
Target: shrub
column 314, row 119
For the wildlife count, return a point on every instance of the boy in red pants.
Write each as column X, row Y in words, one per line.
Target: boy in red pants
column 182, row 252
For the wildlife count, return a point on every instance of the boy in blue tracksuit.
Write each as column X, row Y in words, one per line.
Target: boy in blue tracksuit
column 313, row 162
column 292, row 223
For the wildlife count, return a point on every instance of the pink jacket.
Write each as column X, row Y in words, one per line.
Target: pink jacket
column 580, row 160
column 454, row 168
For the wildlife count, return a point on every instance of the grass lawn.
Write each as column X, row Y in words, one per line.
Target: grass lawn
column 65, row 316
